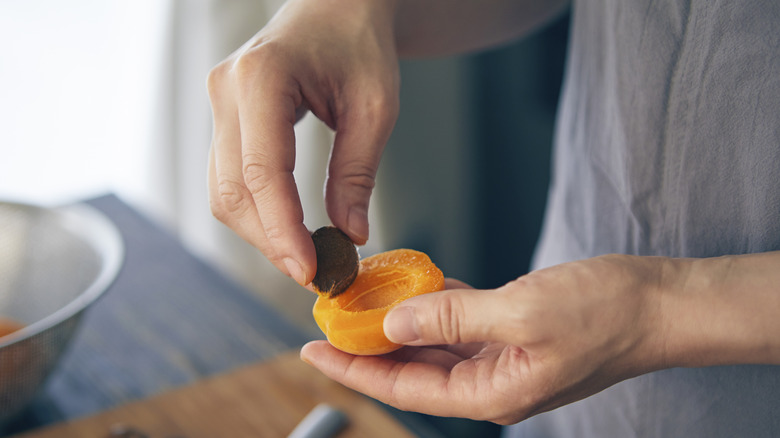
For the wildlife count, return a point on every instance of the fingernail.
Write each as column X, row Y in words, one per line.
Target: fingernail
column 305, row 356
column 401, row 326
column 357, row 222
column 295, row 270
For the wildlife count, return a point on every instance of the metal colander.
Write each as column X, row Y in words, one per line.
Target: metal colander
column 54, row 263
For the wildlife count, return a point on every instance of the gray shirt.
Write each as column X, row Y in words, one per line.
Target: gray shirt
column 668, row 143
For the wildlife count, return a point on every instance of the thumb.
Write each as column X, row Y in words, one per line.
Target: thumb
column 448, row 317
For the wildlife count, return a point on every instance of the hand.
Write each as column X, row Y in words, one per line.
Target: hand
column 547, row 339
column 334, row 58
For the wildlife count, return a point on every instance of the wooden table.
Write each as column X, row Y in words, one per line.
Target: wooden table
column 267, row 399
column 170, row 322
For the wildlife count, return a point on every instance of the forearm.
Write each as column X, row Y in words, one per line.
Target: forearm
column 431, row 27
column 723, row 310
column 440, row 27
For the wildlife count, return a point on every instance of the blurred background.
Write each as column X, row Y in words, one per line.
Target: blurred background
column 109, row 97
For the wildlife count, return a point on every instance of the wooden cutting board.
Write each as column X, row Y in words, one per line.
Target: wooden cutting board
column 267, row 399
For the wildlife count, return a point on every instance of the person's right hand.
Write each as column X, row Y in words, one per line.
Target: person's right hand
column 335, row 58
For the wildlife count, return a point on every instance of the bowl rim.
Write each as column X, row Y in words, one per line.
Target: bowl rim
column 95, row 228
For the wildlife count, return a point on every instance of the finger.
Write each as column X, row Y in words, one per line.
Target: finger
column 232, row 204
column 230, row 200
column 267, row 115
column 431, row 355
column 362, row 131
column 462, row 350
column 465, row 351
column 413, row 386
column 450, row 317
column 457, row 351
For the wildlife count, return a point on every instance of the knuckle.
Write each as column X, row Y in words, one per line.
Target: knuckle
column 382, row 106
column 448, row 319
column 217, row 210
column 246, row 66
column 231, row 198
column 257, row 172
column 357, row 174
column 257, row 177
column 259, row 169
column 216, row 77
column 374, row 105
column 273, row 232
column 251, row 63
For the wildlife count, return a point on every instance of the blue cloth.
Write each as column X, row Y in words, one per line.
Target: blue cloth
column 668, row 143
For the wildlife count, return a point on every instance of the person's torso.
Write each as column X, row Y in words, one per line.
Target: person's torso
column 668, row 143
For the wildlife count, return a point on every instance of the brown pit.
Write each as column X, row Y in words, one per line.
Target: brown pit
column 337, row 261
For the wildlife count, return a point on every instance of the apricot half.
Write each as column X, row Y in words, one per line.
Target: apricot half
column 352, row 320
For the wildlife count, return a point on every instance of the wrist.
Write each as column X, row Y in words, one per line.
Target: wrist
column 719, row 311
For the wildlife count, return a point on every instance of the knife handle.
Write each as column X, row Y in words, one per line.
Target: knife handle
column 324, row 421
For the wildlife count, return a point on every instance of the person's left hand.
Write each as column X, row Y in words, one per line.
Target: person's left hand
column 544, row 340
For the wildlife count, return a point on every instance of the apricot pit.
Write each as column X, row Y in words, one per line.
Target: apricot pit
column 337, row 261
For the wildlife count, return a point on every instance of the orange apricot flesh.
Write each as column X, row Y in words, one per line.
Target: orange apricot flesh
column 8, row 326
column 352, row 320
